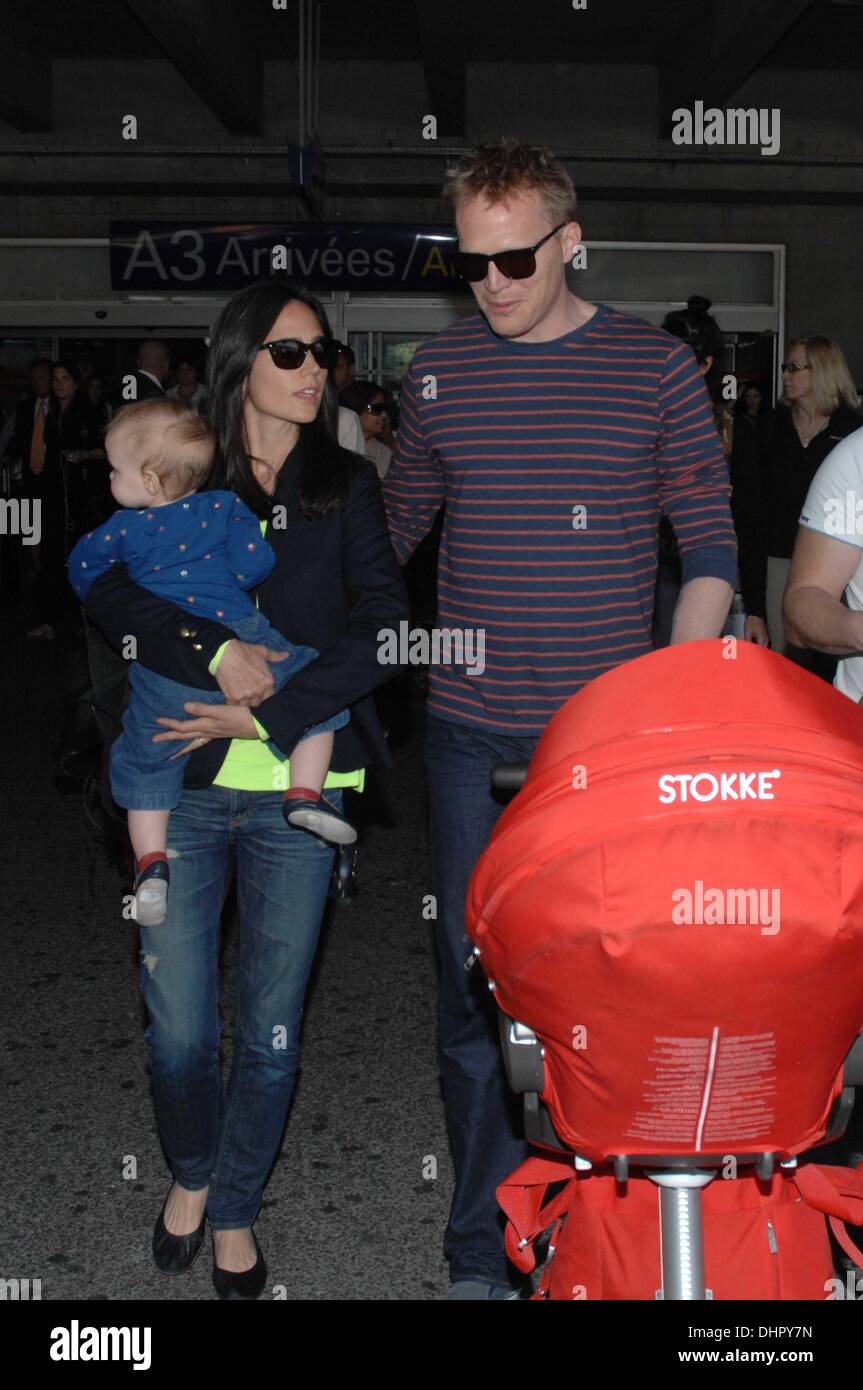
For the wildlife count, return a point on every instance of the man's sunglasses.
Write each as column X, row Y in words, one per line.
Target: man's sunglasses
column 515, row 265
column 289, row 353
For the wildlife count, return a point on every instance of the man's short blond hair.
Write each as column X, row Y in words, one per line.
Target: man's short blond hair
column 498, row 170
column 171, row 440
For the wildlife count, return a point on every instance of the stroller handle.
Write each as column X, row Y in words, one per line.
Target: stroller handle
column 509, row 777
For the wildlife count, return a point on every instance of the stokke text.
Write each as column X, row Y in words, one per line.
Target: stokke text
column 726, row 786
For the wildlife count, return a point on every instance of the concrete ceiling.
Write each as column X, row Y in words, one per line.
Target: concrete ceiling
column 828, row 34
column 219, row 46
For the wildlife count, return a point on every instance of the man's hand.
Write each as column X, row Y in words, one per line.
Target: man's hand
column 755, row 630
column 243, row 674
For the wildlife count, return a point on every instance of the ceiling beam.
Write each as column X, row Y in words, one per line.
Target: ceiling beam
column 211, row 48
column 441, row 27
column 712, row 56
column 25, row 90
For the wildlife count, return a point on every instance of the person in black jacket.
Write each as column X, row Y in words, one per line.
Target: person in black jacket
column 67, row 472
column 16, row 444
column 335, row 585
column 700, row 331
column 153, row 366
column 752, row 416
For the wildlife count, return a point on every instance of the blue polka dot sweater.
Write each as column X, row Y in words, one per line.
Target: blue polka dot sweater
column 200, row 552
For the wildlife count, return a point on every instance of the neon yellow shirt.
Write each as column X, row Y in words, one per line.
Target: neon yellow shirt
column 251, row 767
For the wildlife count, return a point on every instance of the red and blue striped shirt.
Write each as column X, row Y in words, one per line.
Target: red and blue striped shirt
column 555, row 461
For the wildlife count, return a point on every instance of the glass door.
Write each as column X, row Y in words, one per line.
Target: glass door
column 384, row 358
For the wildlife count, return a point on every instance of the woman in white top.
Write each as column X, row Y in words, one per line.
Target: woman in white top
column 369, row 402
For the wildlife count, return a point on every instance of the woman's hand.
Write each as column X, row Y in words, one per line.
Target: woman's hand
column 212, row 721
column 755, row 630
column 244, row 674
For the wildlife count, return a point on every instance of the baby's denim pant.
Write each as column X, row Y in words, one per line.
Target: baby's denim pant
column 143, row 777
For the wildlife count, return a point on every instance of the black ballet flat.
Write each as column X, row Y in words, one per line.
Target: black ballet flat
column 174, row 1254
column 247, row 1285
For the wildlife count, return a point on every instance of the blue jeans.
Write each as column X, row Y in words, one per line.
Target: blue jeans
column 144, row 775
column 482, row 1114
column 230, row 1139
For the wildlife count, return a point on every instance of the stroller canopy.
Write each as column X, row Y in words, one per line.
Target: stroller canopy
column 674, row 904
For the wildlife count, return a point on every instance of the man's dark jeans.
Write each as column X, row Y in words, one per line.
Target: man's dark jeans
column 482, row 1114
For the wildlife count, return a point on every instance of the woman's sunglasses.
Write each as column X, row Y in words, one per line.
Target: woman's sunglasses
column 289, row 353
column 515, row 265
column 376, row 408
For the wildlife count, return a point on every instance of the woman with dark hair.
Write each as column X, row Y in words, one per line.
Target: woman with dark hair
column 752, row 402
column 68, row 473
column 189, row 389
column 335, row 584
column 697, row 327
column 368, row 400
column 97, row 395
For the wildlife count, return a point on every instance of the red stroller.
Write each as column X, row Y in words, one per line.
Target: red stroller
column 670, row 915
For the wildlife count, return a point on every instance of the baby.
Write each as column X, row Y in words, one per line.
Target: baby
column 201, row 551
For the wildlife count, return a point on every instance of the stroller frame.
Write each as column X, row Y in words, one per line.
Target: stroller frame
column 679, row 1177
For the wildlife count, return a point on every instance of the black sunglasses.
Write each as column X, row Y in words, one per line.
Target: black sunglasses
column 289, row 353
column 794, row 367
column 376, row 408
column 515, row 265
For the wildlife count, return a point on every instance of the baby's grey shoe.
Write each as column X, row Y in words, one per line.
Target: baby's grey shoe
column 311, row 811
column 151, row 893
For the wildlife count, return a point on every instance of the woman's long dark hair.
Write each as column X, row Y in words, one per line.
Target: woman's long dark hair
column 242, row 326
column 71, row 368
column 740, row 403
column 78, row 413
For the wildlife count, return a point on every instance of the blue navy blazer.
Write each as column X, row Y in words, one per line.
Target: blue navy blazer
column 335, row 584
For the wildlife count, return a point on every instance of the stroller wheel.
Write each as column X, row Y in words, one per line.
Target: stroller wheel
column 343, row 884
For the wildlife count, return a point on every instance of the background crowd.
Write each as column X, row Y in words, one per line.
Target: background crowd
column 52, row 451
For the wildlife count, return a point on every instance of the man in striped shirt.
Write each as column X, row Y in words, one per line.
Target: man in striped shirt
column 556, row 431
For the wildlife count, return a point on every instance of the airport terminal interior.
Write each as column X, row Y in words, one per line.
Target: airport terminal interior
column 160, row 159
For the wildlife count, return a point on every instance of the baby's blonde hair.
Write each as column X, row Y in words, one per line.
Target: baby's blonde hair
column 171, row 440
